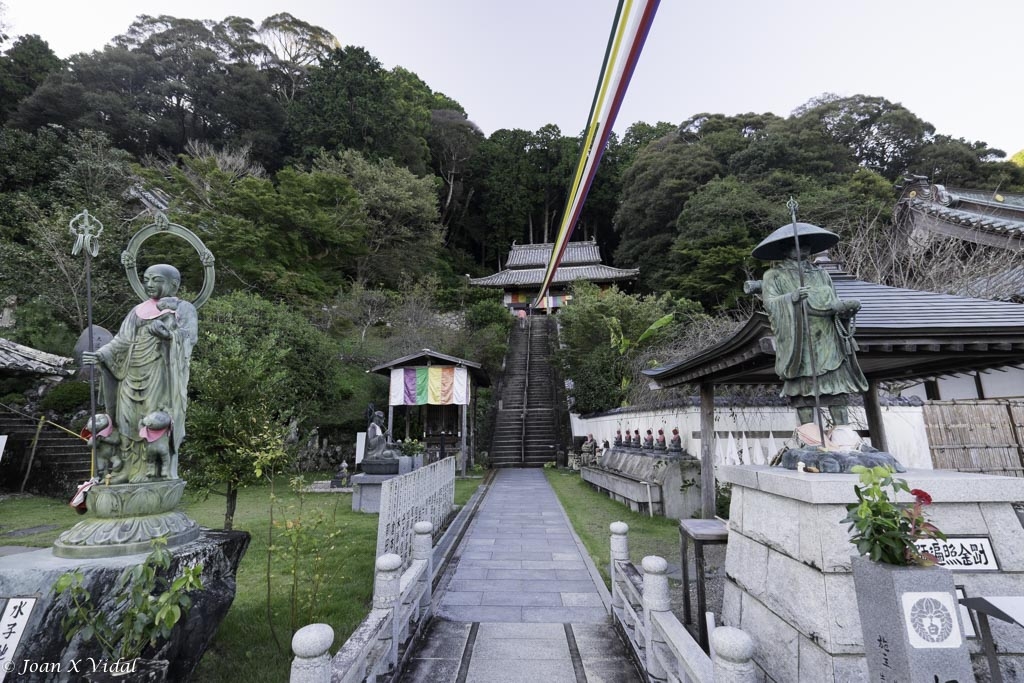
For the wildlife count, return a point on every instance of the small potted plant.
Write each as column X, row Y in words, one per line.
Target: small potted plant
column 144, row 610
column 887, row 531
column 410, row 447
column 907, row 603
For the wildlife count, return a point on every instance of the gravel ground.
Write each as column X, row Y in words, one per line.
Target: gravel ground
column 714, row 576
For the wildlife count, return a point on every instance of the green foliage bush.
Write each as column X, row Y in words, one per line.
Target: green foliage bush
column 37, row 327
column 490, row 312
column 66, row 397
column 13, row 399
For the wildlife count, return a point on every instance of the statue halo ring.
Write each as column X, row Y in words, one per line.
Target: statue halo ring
column 162, row 226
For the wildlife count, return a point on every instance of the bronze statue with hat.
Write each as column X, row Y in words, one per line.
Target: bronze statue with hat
column 815, row 349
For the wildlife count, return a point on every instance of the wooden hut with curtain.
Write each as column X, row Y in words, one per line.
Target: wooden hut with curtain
column 441, row 390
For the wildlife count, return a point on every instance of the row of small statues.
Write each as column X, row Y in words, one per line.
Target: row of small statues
column 650, row 441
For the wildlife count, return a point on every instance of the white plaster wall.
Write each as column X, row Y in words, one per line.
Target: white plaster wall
column 1002, row 383
column 904, row 427
column 1008, row 384
column 957, row 388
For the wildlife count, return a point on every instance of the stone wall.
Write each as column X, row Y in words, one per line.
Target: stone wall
column 904, row 428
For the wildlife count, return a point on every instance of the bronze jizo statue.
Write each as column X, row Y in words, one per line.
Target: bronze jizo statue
column 143, row 374
column 144, row 379
column 813, row 328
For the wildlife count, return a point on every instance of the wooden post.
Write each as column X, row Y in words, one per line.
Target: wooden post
column 465, row 453
column 472, row 430
column 873, row 412
column 32, row 455
column 707, row 450
column 391, row 420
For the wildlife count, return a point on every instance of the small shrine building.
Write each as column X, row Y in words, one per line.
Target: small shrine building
column 441, row 388
column 524, row 272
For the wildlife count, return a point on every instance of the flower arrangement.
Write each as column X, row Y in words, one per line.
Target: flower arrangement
column 886, row 531
column 410, row 447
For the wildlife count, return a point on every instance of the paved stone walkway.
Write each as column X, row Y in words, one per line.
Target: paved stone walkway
column 523, row 603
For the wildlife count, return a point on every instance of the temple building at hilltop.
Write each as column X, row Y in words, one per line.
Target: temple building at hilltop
column 524, row 272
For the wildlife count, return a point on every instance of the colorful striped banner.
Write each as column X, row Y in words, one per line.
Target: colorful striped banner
column 629, row 32
column 433, row 385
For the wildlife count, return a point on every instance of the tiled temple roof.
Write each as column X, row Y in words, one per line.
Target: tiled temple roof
column 538, row 255
column 18, row 359
column 978, row 216
column 534, row 276
column 526, row 264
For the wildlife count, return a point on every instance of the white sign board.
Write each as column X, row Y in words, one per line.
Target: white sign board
column 972, row 553
column 3, row 442
column 360, row 446
column 12, row 626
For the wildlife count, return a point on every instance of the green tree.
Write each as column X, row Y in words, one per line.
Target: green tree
column 23, row 67
column 352, row 102
column 601, row 333
column 292, row 238
column 257, row 368
column 294, row 47
column 882, row 136
column 403, row 237
column 654, row 191
column 453, row 139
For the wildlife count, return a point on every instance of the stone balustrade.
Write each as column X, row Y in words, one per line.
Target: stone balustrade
column 641, row 606
column 401, row 606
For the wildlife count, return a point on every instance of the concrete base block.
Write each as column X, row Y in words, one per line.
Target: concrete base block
column 788, row 565
column 366, row 491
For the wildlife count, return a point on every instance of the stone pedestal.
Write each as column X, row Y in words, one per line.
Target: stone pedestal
column 789, row 582
column 366, row 491
column 33, row 574
column 125, row 518
column 666, row 481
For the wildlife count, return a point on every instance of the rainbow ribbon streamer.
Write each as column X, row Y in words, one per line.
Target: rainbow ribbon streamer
column 629, row 32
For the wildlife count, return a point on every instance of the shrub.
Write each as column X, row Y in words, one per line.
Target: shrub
column 66, row 397
column 484, row 313
column 13, row 399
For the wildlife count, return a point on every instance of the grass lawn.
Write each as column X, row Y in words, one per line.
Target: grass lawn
column 244, row 647
column 591, row 512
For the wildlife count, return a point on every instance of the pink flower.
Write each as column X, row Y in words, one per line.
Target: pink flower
column 921, row 496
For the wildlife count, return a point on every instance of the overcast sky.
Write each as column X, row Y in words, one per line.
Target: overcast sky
column 526, row 63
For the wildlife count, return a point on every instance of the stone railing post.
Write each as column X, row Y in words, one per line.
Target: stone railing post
column 423, row 549
column 619, row 552
column 656, row 599
column 387, row 593
column 733, row 655
column 312, row 647
column 387, row 581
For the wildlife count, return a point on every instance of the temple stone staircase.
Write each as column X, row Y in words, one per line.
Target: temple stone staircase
column 525, row 432
column 61, row 461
